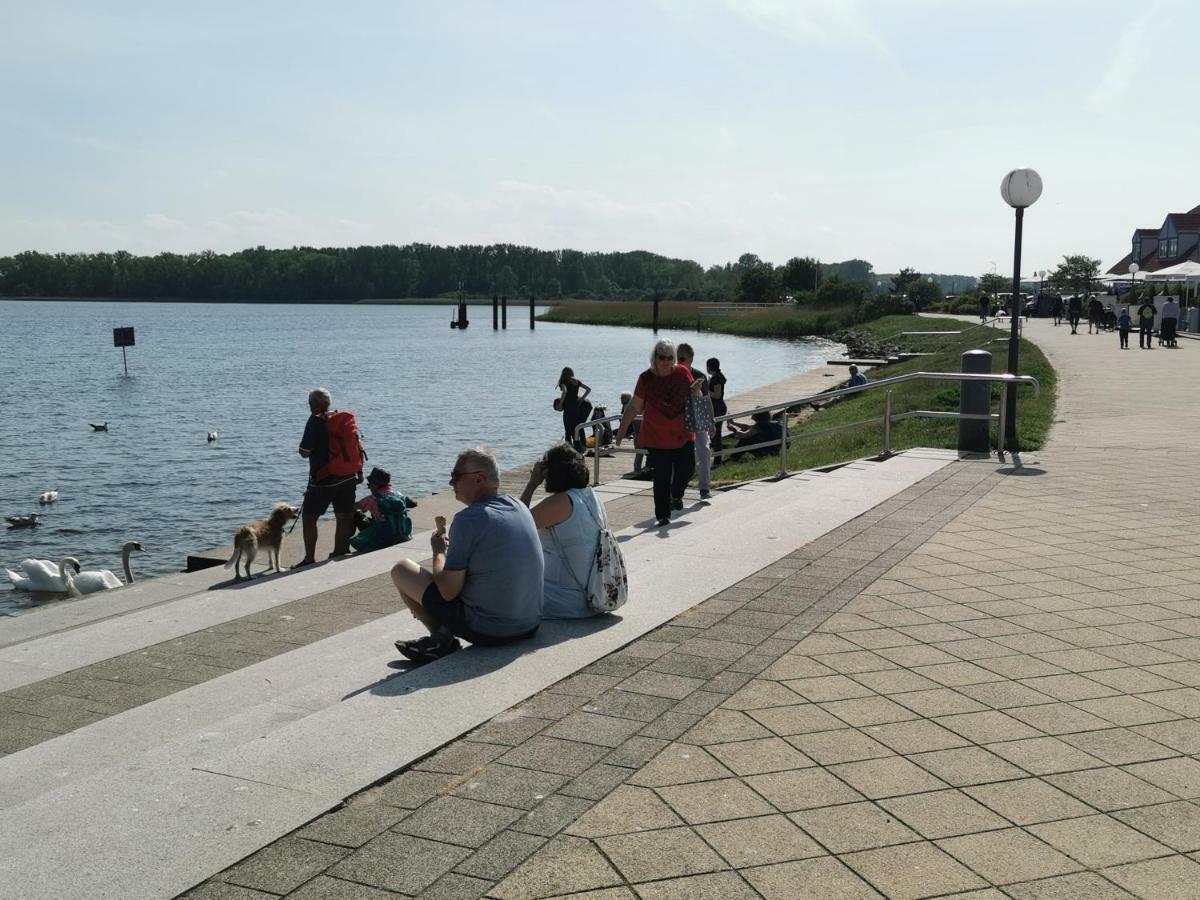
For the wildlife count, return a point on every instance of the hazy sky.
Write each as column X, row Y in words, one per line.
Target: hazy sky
column 704, row 129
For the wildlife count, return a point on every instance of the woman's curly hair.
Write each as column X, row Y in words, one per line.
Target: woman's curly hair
column 565, row 469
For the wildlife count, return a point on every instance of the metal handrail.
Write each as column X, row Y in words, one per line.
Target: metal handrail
column 1005, row 381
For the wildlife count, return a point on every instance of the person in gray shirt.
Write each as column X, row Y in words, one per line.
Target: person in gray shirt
column 485, row 582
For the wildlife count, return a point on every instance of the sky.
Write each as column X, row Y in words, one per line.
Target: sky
column 702, row 129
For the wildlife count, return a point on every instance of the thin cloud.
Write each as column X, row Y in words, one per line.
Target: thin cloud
column 1132, row 50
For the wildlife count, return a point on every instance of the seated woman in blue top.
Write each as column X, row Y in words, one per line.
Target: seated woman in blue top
column 568, row 522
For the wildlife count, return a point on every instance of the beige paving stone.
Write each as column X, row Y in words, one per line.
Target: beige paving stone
column 1080, row 886
column 679, row 764
column 886, row 777
column 915, row 736
column 668, row 853
column 1175, row 824
column 856, row 662
column 717, row 886
column 711, row 801
column 1069, row 687
column 1170, row 878
column 938, row 701
column 854, row 826
column 820, row 878
column 759, row 756
column 795, row 666
column 1028, row 800
column 564, row 866
column 957, row 674
column 1131, row 680
column 1020, row 665
column 1058, row 718
column 797, row 719
column 868, row 711
column 1109, row 789
column 1006, row 857
column 967, row 765
column 843, row 745
column 1119, row 746
column 761, row 694
column 918, row 654
column 911, row 871
column 1098, row 841
column 987, row 726
column 893, row 681
column 759, row 841
column 1184, row 701
column 625, row 809
column 828, row 687
column 1182, row 736
column 940, row 814
column 800, row 789
column 1042, row 756
column 723, row 725
column 398, row 862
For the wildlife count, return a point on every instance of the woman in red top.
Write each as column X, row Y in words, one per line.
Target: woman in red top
column 660, row 397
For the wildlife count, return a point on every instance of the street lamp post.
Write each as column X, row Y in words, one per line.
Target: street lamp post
column 1020, row 189
column 1133, row 270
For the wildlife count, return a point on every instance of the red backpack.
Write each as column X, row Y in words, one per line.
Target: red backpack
column 346, row 454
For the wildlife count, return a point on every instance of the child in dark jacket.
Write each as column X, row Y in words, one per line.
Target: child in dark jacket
column 389, row 522
column 1124, row 323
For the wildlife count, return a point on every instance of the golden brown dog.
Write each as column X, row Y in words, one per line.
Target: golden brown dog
column 267, row 533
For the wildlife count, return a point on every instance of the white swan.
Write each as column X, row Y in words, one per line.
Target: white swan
column 48, row 497
column 37, row 575
column 92, row 582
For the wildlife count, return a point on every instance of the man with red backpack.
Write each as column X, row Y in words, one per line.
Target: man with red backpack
column 335, row 459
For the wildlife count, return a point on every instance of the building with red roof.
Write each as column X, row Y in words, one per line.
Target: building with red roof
column 1176, row 241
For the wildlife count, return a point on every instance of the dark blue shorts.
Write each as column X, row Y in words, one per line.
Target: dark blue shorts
column 451, row 615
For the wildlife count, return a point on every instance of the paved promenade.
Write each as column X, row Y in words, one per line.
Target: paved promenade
column 987, row 686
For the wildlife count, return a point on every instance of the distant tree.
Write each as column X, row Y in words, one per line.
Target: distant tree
column 1076, row 274
column 924, row 292
column 506, row 282
column 993, row 284
column 837, row 291
column 760, row 284
column 852, row 270
column 903, row 280
column 748, row 261
column 798, row 274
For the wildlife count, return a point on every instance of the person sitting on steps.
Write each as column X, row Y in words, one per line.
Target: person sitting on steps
column 484, row 584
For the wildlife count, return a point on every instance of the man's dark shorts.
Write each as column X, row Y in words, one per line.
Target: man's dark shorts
column 451, row 615
column 338, row 491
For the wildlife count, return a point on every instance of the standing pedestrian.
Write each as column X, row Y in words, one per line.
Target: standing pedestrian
column 335, row 456
column 1124, row 323
column 1170, row 320
column 1074, row 311
column 572, row 404
column 716, row 393
column 1146, row 314
column 984, row 307
column 1095, row 314
column 660, row 397
column 703, row 458
column 1058, row 309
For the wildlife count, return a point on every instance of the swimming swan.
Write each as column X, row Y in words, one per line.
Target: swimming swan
column 92, row 582
column 36, row 575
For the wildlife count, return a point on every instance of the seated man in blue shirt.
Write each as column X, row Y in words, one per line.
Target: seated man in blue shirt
column 485, row 582
column 856, row 377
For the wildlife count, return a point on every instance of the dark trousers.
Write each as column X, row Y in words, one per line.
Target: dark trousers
column 1146, row 335
column 1124, row 332
column 719, row 409
column 1073, row 318
column 672, row 471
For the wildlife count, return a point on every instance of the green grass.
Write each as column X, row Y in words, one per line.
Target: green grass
column 780, row 322
column 1034, row 416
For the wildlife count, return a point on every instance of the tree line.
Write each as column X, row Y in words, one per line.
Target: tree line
column 344, row 274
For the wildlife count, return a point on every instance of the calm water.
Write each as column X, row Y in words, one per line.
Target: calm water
column 420, row 392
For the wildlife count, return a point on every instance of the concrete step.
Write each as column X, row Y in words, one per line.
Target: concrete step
column 154, row 800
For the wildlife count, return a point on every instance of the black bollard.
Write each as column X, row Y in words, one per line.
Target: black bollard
column 655, row 302
column 531, row 312
column 504, row 312
column 975, row 398
column 495, row 312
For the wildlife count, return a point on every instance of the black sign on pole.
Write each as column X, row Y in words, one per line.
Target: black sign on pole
column 123, row 337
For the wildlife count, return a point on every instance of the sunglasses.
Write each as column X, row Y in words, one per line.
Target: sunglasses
column 667, row 358
column 455, row 475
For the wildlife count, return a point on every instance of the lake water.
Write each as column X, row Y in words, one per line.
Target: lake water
column 420, row 391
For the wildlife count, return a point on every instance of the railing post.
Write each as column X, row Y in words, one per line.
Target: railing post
column 887, row 424
column 783, row 444
column 595, row 455
column 1003, row 420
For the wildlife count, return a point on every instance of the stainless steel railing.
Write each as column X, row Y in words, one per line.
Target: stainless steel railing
column 1005, row 381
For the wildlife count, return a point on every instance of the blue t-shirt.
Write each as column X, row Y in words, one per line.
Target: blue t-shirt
column 495, row 541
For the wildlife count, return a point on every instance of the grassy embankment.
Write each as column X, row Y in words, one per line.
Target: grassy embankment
column 1034, row 416
column 778, row 322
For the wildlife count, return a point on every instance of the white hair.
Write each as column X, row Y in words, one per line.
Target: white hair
column 484, row 460
column 664, row 346
column 321, row 397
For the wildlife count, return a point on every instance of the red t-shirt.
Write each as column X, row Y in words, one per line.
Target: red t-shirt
column 662, row 419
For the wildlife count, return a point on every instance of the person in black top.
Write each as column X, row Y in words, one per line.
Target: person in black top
column 573, row 409
column 1145, row 319
column 716, row 393
column 1095, row 314
column 686, row 356
column 1074, row 310
column 321, row 492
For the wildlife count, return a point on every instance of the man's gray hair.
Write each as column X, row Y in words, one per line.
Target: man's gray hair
column 320, row 397
column 664, row 347
column 483, row 460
